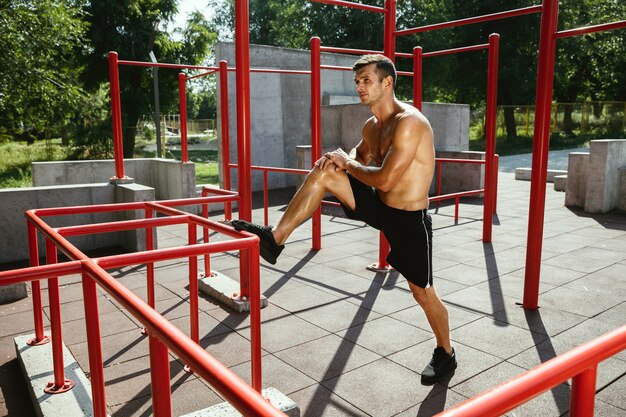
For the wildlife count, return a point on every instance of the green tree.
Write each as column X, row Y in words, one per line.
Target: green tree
column 39, row 72
column 133, row 29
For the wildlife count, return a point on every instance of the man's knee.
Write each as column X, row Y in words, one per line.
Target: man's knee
column 329, row 173
column 423, row 296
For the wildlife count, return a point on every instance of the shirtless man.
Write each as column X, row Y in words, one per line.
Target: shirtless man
column 384, row 181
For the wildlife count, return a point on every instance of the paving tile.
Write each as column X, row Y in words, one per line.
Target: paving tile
column 545, row 320
column 435, row 402
column 578, row 302
column 110, row 323
column 230, row 349
column 415, row 316
column 488, row 379
column 236, row 320
column 613, row 317
column 479, row 301
column 395, row 388
column 600, row 285
column 578, row 263
column 554, row 402
column 614, row 394
column 385, row 300
column 351, row 285
column 337, row 315
column 317, row 401
column 327, row 357
column 466, row 275
column 616, row 244
column 510, row 285
column 385, row 335
column 20, row 323
column 496, row 338
column 604, row 409
column 553, row 275
column 302, row 300
column 276, row 374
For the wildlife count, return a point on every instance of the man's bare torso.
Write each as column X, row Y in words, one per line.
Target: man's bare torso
column 411, row 190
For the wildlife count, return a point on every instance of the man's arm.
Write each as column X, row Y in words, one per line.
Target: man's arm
column 407, row 137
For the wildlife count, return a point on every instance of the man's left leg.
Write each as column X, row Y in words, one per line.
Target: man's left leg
column 444, row 360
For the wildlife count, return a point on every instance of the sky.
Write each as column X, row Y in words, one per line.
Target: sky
column 187, row 6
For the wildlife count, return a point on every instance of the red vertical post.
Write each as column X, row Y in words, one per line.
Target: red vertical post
column 255, row 316
column 60, row 384
column 225, row 136
column 490, row 135
column 541, row 146
column 389, row 48
column 205, row 236
column 316, row 130
column 160, row 379
column 417, row 77
column 150, row 270
column 116, row 115
column 182, row 97
column 94, row 347
column 495, row 185
column 583, row 393
column 33, row 253
column 266, row 200
column 242, row 55
column 192, row 232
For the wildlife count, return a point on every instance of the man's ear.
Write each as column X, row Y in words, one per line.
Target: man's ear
column 388, row 81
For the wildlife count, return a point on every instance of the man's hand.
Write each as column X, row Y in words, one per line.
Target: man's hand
column 338, row 157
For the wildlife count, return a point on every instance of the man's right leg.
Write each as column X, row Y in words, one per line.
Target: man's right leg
column 317, row 183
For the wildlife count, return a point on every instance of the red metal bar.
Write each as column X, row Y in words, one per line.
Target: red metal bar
column 389, row 30
column 205, row 237
column 438, row 164
column 591, row 29
column 225, row 136
column 108, row 227
column 495, row 185
column 17, row 276
column 150, row 265
column 417, row 77
column 541, row 146
column 204, row 74
column 164, row 65
column 349, row 51
column 456, row 50
column 512, row 394
column 583, row 393
column 182, row 97
column 471, row 20
column 266, row 214
column 316, row 131
column 351, row 5
column 280, row 71
column 244, row 151
column 335, row 68
column 255, row 316
column 116, row 115
column 192, row 232
column 160, row 378
column 60, row 383
column 94, row 346
column 490, row 135
column 33, row 255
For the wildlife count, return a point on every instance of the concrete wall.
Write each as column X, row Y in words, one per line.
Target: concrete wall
column 594, row 181
column 280, row 105
column 170, row 179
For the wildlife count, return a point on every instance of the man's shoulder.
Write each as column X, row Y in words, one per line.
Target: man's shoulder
column 411, row 115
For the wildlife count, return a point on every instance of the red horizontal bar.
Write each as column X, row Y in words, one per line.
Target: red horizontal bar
column 122, row 225
column 336, row 68
column 406, row 73
column 275, row 169
column 281, row 71
column 591, row 29
column 461, row 161
column 456, row 50
column 511, row 394
column 455, row 195
column 204, row 74
column 471, row 20
column 352, row 5
column 164, row 65
column 17, row 276
column 348, row 51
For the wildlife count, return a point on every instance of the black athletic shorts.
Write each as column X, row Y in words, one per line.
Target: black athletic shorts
column 409, row 233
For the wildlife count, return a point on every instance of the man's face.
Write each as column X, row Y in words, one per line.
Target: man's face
column 369, row 86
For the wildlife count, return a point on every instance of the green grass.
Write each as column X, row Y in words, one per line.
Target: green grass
column 16, row 157
column 206, row 164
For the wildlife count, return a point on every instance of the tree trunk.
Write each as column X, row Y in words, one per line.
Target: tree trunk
column 509, row 122
column 568, row 125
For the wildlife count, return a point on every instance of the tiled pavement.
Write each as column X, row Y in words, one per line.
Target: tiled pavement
column 343, row 341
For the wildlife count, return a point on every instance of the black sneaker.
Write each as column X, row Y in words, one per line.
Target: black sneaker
column 268, row 246
column 440, row 365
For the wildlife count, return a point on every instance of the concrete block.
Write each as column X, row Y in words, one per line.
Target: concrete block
column 226, row 291
column 605, row 158
column 36, row 364
column 278, row 399
column 621, row 205
column 13, row 292
column 524, row 174
column 560, row 182
column 134, row 240
column 576, row 187
column 456, row 177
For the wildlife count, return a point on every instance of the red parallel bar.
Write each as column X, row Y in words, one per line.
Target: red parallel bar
column 164, row 65
column 33, row 255
column 36, row 273
column 94, row 346
column 456, row 195
column 389, row 40
column 351, row 5
column 471, row 20
column 335, row 68
column 255, row 316
column 205, row 236
column 495, row 185
column 266, row 203
column 438, row 164
column 225, row 136
column 512, row 394
column 456, row 50
column 404, row 73
column 244, row 151
column 148, row 222
column 192, row 232
column 280, row 71
column 490, row 135
column 160, row 378
column 60, row 384
column 316, row 130
column 583, row 393
column 349, row 51
column 150, row 265
column 541, row 146
column 461, row 161
column 591, row 29
column 182, row 103
column 116, row 115
column 417, row 77
column 204, row 74
column 226, row 383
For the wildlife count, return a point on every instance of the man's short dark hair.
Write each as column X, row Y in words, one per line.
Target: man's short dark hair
column 384, row 66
